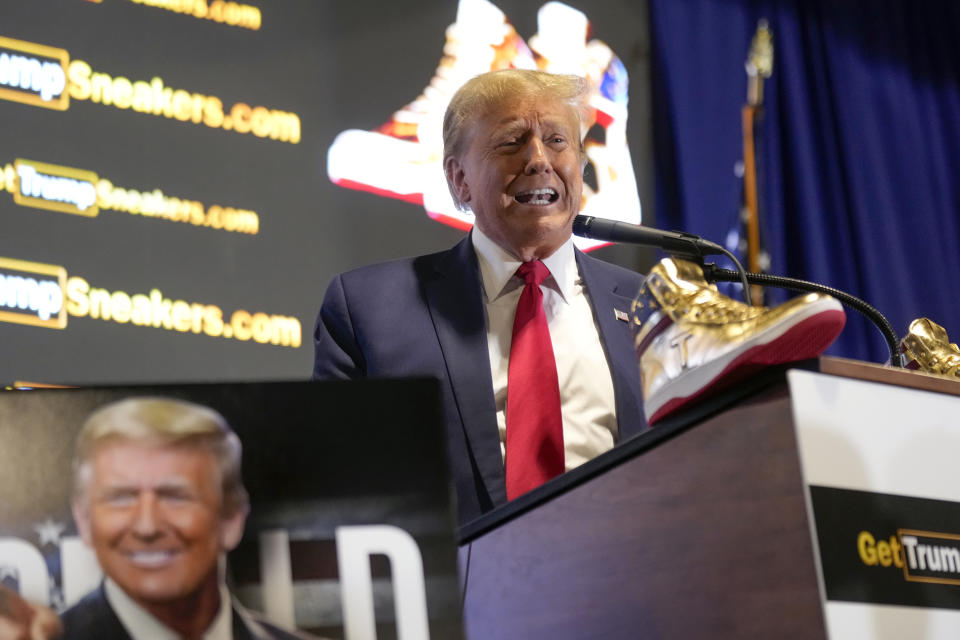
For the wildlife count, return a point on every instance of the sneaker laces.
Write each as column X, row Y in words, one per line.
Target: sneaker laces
column 684, row 295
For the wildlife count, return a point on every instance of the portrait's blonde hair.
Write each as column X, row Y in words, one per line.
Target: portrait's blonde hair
column 164, row 422
column 485, row 92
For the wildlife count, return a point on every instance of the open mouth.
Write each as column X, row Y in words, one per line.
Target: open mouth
column 537, row 196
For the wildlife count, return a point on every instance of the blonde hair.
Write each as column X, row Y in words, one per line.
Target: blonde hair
column 484, row 92
column 164, row 422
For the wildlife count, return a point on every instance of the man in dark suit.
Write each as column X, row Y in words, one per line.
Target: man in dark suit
column 513, row 155
column 159, row 498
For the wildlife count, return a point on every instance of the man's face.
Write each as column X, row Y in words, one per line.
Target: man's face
column 153, row 516
column 521, row 174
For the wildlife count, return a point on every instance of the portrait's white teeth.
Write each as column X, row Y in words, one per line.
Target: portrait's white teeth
column 150, row 558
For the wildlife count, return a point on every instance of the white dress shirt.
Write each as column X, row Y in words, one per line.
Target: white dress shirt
column 587, row 402
column 142, row 625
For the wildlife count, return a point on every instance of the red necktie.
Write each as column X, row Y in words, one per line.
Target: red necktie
column 534, row 451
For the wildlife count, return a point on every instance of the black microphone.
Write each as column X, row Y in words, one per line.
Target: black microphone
column 674, row 242
column 669, row 241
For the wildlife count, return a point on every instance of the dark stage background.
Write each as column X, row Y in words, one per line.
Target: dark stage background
column 209, row 291
column 856, row 150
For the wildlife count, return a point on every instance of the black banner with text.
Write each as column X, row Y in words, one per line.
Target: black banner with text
column 888, row 549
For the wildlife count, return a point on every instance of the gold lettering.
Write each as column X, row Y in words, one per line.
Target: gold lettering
column 261, row 328
column 79, row 74
column 286, row 331
column 214, row 217
column 101, row 88
column 286, row 127
column 120, row 307
column 160, row 308
column 213, row 112
column 142, row 97
column 897, row 548
column 196, row 115
column 161, row 97
column 141, row 310
column 182, row 105
column 77, row 302
column 866, row 545
column 241, row 117
column 99, row 303
column 241, row 325
column 155, row 310
column 181, row 315
column 133, row 201
column 230, row 219
column 883, row 554
column 122, row 92
column 156, row 98
column 104, row 194
column 194, row 212
column 213, row 321
column 197, row 325
column 261, row 122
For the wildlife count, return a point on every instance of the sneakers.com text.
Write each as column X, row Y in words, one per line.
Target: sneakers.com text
column 44, row 76
column 43, row 185
column 233, row 14
column 42, row 295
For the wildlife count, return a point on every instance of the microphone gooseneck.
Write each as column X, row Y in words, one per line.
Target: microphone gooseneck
column 692, row 246
column 715, row 274
column 676, row 243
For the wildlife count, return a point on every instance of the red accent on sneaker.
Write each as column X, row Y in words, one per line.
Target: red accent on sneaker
column 662, row 324
column 415, row 198
column 807, row 339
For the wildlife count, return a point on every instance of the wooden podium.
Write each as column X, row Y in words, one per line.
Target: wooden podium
column 695, row 529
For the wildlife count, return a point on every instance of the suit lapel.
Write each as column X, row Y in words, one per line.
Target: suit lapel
column 240, row 629
column 617, row 338
column 456, row 306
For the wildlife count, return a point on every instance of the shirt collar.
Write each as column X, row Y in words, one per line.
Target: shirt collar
column 498, row 266
column 140, row 623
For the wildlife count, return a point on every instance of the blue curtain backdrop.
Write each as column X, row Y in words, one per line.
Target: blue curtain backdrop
column 859, row 146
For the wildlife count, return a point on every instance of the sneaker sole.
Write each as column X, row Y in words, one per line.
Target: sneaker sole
column 800, row 341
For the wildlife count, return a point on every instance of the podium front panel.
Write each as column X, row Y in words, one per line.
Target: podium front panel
column 882, row 468
column 702, row 534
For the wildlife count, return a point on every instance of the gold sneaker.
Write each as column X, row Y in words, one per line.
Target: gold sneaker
column 691, row 340
column 927, row 348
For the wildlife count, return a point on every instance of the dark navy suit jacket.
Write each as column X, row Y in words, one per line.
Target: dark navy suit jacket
column 92, row 618
column 425, row 317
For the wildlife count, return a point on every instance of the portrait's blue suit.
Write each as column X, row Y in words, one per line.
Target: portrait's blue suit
column 93, row 618
column 425, row 317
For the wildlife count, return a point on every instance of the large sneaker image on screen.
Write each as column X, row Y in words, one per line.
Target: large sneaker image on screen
column 402, row 158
